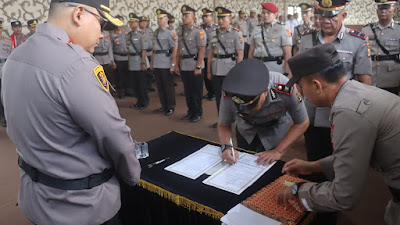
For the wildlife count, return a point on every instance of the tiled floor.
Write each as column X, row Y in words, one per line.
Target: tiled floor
column 145, row 126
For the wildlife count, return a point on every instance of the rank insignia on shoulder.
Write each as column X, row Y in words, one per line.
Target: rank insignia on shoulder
column 101, row 77
column 282, row 88
column 273, row 94
column 309, row 31
column 358, row 34
column 236, row 29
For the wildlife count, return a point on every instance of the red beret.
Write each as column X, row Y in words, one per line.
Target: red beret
column 270, row 6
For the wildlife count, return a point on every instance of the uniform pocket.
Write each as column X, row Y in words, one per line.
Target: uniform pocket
column 392, row 45
column 392, row 66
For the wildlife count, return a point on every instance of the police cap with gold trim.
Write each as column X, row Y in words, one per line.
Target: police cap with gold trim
column 1, row 24
column 222, row 11
column 161, row 13
column 171, row 18
column 330, row 8
column 206, row 11
column 185, row 9
column 312, row 61
column 246, row 80
column 32, row 23
column 385, row 4
column 133, row 17
column 142, row 18
column 305, row 8
column 103, row 7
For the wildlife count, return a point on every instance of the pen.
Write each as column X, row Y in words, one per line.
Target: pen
column 158, row 162
column 233, row 151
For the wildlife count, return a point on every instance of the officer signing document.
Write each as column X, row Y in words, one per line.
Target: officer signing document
column 70, row 139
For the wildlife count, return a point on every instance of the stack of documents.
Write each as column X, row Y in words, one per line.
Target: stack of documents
column 232, row 178
column 240, row 215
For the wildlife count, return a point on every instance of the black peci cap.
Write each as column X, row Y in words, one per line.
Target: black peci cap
column 16, row 24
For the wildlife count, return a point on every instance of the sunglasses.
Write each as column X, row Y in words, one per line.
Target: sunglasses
column 103, row 21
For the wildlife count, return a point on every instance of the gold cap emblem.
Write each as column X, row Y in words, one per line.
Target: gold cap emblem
column 237, row 100
column 326, row 3
column 219, row 10
column 158, row 11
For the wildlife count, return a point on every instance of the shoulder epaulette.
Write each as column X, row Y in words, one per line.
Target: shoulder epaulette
column 198, row 27
column 358, row 34
column 309, row 31
column 281, row 23
column 170, row 28
column 234, row 28
column 141, row 31
column 282, row 88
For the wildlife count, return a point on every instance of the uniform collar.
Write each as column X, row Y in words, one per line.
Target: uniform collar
column 390, row 25
column 339, row 37
column 227, row 30
column 47, row 29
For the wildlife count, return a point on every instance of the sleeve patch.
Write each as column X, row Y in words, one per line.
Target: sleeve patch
column 175, row 36
column 201, row 35
column 101, row 77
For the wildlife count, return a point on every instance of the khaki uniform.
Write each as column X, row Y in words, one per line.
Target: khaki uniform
column 365, row 132
column 68, row 128
column 298, row 31
column 352, row 49
column 276, row 37
column 385, row 74
column 272, row 120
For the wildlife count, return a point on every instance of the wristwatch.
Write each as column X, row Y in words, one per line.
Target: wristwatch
column 143, row 63
column 173, row 64
column 223, row 147
column 286, row 73
column 198, row 67
column 296, row 187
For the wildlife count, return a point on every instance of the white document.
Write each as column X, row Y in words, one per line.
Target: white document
column 240, row 215
column 236, row 178
column 197, row 163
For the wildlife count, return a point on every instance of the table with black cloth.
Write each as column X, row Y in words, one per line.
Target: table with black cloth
column 163, row 197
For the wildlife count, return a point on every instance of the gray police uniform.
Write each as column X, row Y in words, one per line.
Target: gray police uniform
column 365, row 132
column 150, row 39
column 68, row 128
column 120, row 51
column 24, row 38
column 208, row 29
column 5, row 51
column 385, row 67
column 137, row 42
column 164, row 40
column 188, row 43
column 252, row 23
column 223, row 61
column 276, row 37
column 243, row 26
column 104, row 55
column 298, row 31
column 271, row 122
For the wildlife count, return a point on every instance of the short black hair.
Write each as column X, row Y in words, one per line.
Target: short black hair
column 334, row 72
column 289, row 15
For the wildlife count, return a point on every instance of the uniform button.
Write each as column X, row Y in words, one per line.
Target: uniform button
column 267, row 30
column 377, row 64
column 344, row 59
column 367, row 102
column 222, row 35
column 382, row 33
column 280, row 87
column 379, row 53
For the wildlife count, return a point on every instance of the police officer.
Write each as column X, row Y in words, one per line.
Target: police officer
column 353, row 50
column 365, row 132
column 70, row 138
column 171, row 21
column 243, row 26
column 208, row 27
column 270, row 42
column 137, row 45
column 226, row 50
column 190, row 58
column 306, row 13
column 252, row 21
column 316, row 16
column 31, row 27
column 120, row 51
column 104, row 55
column 163, row 62
column 5, row 51
column 144, row 26
column 261, row 103
column 17, row 37
column 384, row 40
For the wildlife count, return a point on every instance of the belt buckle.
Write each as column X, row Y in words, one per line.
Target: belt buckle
column 262, row 58
column 218, row 56
column 375, row 58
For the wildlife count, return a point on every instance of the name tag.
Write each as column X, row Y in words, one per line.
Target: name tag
column 344, row 51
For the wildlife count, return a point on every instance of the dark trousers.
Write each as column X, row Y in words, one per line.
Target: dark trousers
column 246, row 51
column 122, row 77
column 150, row 75
column 116, row 220
column 166, row 88
column 193, row 86
column 394, row 90
column 139, row 79
column 1, row 104
column 217, row 85
column 207, row 82
column 255, row 145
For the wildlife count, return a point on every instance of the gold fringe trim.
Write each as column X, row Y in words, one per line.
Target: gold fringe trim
column 181, row 201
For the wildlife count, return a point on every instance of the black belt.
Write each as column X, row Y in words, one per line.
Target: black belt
column 376, row 58
column 75, row 184
column 121, row 54
column 244, row 35
column 271, row 58
column 100, row 53
column 134, row 54
column 3, row 60
column 149, row 50
column 396, row 194
column 161, row 51
column 188, row 56
column 224, row 56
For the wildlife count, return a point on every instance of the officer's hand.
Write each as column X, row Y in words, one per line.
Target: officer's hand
column 286, row 198
column 151, row 67
column 177, row 70
column 267, row 157
column 144, row 68
column 298, row 167
column 197, row 72
column 228, row 157
column 209, row 77
column 113, row 65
